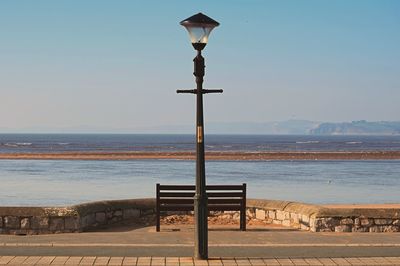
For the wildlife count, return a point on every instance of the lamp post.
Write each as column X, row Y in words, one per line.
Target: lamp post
column 199, row 27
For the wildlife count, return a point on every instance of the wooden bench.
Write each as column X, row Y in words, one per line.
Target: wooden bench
column 220, row 198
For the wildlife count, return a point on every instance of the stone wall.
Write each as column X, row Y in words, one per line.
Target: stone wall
column 77, row 218
column 88, row 216
column 320, row 219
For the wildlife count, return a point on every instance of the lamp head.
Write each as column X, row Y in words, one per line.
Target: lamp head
column 199, row 27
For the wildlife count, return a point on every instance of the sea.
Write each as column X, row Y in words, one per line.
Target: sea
column 66, row 182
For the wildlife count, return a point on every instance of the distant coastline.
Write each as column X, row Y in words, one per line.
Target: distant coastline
column 287, row 127
column 187, row 155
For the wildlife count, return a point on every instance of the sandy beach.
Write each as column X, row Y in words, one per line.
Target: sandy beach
column 229, row 156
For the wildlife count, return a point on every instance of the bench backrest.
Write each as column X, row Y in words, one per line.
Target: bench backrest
column 220, row 197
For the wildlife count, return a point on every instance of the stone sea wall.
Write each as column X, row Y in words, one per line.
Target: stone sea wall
column 321, row 219
column 77, row 218
column 89, row 216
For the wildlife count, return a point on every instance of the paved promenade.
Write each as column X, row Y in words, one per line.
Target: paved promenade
column 188, row 261
column 227, row 246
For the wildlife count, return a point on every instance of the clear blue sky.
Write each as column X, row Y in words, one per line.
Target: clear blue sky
column 117, row 64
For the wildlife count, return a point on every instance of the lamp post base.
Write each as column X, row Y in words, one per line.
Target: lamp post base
column 201, row 227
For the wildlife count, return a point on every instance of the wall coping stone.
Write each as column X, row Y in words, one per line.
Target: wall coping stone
column 289, row 206
column 20, row 211
column 317, row 211
column 110, row 205
column 311, row 210
column 79, row 209
column 359, row 212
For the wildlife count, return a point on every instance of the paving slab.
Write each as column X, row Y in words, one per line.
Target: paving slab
column 144, row 261
column 327, row 261
column 102, row 261
column 340, row 261
column 313, row 261
column 299, row 261
column 60, row 260
column 257, row 262
column 382, row 260
column 129, row 261
column 242, row 262
column 228, row 261
column 170, row 261
column 116, row 261
column 17, row 260
column 46, row 260
column 88, row 260
column 32, row 260
column 285, row 261
column 272, row 262
column 73, row 261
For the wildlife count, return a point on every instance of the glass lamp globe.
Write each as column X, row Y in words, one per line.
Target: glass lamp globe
column 199, row 27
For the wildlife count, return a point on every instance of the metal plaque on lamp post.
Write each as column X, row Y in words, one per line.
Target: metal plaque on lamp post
column 199, row 27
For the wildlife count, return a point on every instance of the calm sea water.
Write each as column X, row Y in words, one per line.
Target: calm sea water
column 14, row 143
column 47, row 183
column 52, row 182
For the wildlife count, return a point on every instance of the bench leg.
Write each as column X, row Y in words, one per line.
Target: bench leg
column 243, row 221
column 158, row 207
column 158, row 221
column 243, row 210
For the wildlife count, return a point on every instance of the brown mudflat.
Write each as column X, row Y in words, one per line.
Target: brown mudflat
column 230, row 156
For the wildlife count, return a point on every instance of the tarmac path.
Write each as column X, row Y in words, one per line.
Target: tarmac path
column 173, row 241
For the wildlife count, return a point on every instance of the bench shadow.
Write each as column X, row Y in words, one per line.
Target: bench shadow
column 267, row 229
column 133, row 226
column 121, row 227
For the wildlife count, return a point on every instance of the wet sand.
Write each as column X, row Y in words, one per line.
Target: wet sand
column 228, row 156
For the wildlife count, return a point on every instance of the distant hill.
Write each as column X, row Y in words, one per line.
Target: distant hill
column 305, row 127
column 361, row 127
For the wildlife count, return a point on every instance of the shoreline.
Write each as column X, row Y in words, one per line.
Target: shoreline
column 214, row 156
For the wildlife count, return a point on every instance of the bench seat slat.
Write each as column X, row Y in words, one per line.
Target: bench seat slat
column 209, row 187
column 190, row 201
column 177, row 187
column 176, row 194
column 224, row 187
column 224, row 207
column 211, row 207
column 176, row 201
column 179, row 207
column 224, row 201
column 225, row 195
column 209, row 194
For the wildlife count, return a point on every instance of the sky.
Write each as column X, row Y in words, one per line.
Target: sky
column 115, row 65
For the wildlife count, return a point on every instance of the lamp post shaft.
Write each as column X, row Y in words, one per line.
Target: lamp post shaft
column 200, row 198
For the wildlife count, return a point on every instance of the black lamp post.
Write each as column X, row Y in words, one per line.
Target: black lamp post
column 199, row 27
